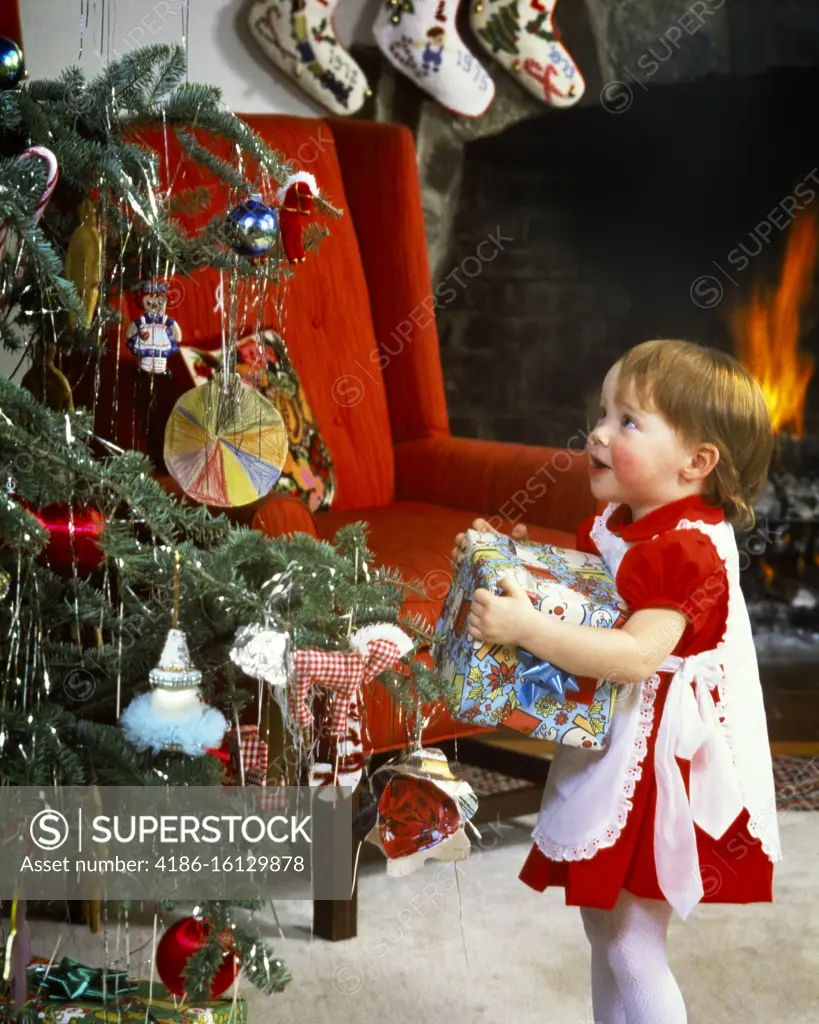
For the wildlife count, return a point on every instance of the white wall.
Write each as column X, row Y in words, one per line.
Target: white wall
column 219, row 49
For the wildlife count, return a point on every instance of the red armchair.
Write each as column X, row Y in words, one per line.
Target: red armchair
column 361, row 330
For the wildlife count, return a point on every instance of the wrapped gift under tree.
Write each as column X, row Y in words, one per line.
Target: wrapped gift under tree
column 68, row 991
column 497, row 684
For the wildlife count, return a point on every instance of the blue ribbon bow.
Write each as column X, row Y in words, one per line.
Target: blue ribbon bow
column 539, row 679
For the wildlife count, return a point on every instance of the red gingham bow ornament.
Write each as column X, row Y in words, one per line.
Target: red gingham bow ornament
column 375, row 648
column 253, row 752
column 251, row 749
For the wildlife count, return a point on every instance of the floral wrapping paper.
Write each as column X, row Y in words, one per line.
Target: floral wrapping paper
column 486, row 678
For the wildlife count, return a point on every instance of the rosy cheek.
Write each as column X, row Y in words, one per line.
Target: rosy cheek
column 625, row 460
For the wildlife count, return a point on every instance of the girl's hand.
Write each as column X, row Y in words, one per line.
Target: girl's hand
column 500, row 620
column 519, row 532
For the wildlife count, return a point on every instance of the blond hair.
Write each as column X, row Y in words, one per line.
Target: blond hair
column 707, row 395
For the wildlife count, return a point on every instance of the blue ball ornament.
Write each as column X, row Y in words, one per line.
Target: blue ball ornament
column 12, row 64
column 253, row 228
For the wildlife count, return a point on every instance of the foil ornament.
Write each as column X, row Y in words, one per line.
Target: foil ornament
column 420, row 811
column 72, row 980
column 262, row 652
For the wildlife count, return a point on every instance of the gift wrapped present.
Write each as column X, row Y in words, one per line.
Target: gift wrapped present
column 497, row 684
column 68, row 991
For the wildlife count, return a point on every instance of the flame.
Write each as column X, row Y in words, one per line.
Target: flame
column 767, row 331
column 767, row 571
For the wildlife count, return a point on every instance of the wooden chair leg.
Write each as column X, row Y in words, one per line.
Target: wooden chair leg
column 332, row 919
column 335, row 920
column 91, row 914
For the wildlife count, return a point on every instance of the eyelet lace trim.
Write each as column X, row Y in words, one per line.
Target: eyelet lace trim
column 609, row 834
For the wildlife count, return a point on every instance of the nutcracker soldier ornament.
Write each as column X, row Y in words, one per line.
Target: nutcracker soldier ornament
column 154, row 336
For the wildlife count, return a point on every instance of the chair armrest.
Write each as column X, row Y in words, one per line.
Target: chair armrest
column 281, row 515
column 514, row 482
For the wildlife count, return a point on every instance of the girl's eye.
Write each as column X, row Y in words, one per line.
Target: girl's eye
column 628, row 420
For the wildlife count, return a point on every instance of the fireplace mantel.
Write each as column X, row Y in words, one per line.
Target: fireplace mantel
column 623, row 47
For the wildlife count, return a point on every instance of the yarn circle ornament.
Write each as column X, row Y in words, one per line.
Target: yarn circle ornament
column 225, row 448
column 12, row 64
column 177, row 946
column 252, row 228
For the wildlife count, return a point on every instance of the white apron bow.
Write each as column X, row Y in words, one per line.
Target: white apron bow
column 690, row 729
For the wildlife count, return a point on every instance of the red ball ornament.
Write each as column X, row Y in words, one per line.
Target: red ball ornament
column 176, row 947
column 88, row 526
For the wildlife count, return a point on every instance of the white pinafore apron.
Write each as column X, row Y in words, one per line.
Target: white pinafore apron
column 587, row 797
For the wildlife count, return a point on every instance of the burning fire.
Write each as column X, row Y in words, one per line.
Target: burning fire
column 767, row 331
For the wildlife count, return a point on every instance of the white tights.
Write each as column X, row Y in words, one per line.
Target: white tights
column 631, row 980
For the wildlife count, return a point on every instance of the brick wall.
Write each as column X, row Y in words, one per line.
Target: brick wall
column 580, row 234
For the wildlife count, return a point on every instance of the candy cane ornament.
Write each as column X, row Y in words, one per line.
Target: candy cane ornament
column 51, row 181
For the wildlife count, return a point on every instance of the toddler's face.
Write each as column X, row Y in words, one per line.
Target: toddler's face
column 635, row 456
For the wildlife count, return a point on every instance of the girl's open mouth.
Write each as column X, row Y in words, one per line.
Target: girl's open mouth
column 597, row 464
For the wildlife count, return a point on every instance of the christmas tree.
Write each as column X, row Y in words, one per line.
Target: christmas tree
column 82, row 632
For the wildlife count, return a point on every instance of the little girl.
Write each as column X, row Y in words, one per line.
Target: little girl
column 680, row 807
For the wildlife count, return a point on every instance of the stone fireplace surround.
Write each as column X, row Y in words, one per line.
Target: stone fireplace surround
column 648, row 210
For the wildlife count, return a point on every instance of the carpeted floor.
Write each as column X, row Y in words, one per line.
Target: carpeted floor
column 796, row 780
column 482, row 948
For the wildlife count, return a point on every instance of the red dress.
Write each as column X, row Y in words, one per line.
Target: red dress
column 669, row 571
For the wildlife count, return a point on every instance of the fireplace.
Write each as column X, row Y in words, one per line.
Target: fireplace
column 663, row 220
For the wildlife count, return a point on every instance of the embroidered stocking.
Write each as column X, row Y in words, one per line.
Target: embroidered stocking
column 629, row 947
column 419, row 38
column 299, row 38
column 521, row 36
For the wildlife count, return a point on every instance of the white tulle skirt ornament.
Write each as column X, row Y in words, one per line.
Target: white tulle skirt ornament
column 173, row 716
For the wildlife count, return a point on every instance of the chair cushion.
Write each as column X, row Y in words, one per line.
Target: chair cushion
column 416, row 539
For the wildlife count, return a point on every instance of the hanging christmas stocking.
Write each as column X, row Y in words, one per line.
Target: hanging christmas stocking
column 298, row 36
column 521, row 36
column 419, row 37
